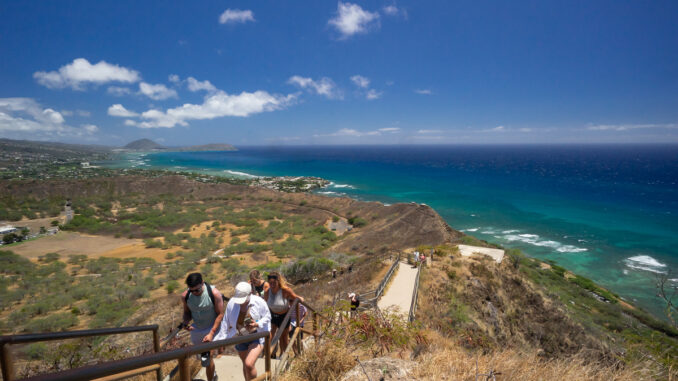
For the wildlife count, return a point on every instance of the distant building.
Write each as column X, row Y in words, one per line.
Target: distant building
column 7, row 229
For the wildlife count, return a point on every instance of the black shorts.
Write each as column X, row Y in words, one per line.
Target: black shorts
column 301, row 333
column 277, row 319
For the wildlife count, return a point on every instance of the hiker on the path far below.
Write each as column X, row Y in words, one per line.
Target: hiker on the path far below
column 206, row 308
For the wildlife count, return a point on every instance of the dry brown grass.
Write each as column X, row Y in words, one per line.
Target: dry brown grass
column 326, row 362
column 458, row 364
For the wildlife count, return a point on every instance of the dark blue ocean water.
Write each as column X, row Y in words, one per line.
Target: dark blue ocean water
column 606, row 212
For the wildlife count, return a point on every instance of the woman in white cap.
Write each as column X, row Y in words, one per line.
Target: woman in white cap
column 246, row 314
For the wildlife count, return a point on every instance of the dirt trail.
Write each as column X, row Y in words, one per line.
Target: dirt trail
column 399, row 292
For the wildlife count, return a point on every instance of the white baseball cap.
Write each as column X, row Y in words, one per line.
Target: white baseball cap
column 242, row 291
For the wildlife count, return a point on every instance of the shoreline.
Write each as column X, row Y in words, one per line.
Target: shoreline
column 587, row 257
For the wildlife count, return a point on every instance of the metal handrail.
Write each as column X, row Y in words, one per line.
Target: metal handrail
column 415, row 295
column 6, row 341
column 181, row 354
column 382, row 284
column 48, row 336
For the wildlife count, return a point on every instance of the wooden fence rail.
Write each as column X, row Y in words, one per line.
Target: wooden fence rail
column 6, row 354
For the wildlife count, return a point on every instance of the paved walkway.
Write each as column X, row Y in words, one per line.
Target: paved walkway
column 467, row 251
column 229, row 368
column 399, row 292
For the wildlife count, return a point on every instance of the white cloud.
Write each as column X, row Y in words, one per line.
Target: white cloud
column 174, row 78
column 234, row 16
column 26, row 117
column 350, row 132
column 217, row 105
column 390, row 10
column 80, row 72
column 156, row 92
column 117, row 91
column 497, row 129
column 131, row 123
column 352, row 19
column 90, row 128
column 627, row 127
column 373, row 94
column 393, row 10
column 195, row 85
column 429, row 131
column 360, row 81
column 120, row 111
column 324, row 86
column 423, row 91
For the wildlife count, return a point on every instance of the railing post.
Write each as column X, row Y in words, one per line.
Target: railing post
column 156, row 349
column 267, row 355
column 6, row 362
column 315, row 327
column 184, row 370
column 298, row 343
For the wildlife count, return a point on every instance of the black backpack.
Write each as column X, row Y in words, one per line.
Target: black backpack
column 210, row 293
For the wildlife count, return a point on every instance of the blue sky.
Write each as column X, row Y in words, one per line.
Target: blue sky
column 327, row 72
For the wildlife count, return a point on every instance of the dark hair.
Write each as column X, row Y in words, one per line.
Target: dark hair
column 193, row 279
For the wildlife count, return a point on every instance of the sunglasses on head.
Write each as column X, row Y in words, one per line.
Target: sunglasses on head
column 273, row 277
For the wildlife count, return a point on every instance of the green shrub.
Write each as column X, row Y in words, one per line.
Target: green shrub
column 172, row 286
column 54, row 323
column 35, row 351
column 357, row 221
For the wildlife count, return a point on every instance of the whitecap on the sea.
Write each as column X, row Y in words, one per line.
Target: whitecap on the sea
column 335, row 185
column 534, row 239
column 646, row 263
column 236, row 173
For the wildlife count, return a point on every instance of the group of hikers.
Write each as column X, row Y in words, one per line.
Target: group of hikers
column 256, row 306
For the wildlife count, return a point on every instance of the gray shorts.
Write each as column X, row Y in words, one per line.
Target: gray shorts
column 198, row 334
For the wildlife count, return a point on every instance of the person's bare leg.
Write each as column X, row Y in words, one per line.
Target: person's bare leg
column 284, row 339
column 250, row 361
column 274, row 329
column 210, row 368
column 243, row 357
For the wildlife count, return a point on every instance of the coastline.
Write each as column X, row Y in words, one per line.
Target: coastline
column 629, row 272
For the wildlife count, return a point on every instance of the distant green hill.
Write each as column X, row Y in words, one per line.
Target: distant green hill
column 144, row 144
column 147, row 144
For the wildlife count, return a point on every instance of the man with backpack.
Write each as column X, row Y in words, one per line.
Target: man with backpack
column 203, row 304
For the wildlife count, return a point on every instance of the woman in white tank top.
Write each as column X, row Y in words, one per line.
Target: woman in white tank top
column 278, row 298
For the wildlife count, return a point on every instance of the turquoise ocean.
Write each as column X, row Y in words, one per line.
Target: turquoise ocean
column 609, row 213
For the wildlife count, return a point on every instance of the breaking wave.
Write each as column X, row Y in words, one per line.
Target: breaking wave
column 646, row 263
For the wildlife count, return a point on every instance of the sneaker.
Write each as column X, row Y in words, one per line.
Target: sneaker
column 216, row 377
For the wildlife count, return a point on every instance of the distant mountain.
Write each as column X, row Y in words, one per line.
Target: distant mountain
column 206, row 147
column 144, row 144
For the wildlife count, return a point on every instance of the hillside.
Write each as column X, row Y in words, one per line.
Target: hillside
column 169, row 225
column 143, row 145
column 150, row 145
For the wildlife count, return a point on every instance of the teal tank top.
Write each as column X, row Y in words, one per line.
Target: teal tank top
column 202, row 309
